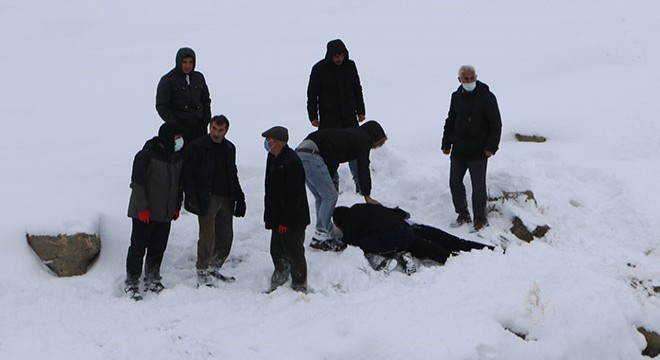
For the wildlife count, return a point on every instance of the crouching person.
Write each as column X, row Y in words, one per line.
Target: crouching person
column 387, row 233
column 286, row 212
column 155, row 201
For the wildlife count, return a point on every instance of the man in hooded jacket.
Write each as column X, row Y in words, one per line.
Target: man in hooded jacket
column 155, row 201
column 321, row 153
column 182, row 96
column 334, row 95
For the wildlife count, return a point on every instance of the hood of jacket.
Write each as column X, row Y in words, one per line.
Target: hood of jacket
column 335, row 47
column 184, row 52
column 375, row 131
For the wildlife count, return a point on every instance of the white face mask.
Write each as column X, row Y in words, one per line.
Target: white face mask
column 178, row 144
column 469, row 86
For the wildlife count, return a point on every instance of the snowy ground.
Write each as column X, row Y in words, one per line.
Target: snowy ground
column 78, row 102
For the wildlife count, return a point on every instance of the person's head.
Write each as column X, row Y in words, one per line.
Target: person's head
column 170, row 136
column 336, row 52
column 219, row 127
column 185, row 60
column 467, row 76
column 339, row 216
column 276, row 139
column 376, row 133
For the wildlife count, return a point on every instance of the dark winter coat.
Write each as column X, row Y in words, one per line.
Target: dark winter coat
column 198, row 170
column 375, row 229
column 285, row 202
column 334, row 93
column 180, row 103
column 155, row 182
column 473, row 124
column 342, row 145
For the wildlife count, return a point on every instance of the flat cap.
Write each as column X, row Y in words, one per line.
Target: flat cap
column 277, row 132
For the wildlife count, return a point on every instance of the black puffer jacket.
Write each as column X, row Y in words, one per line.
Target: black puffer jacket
column 198, row 171
column 180, row 103
column 155, row 182
column 334, row 93
column 342, row 145
column 473, row 124
column 374, row 228
column 286, row 197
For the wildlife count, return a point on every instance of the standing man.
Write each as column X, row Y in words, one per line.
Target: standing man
column 286, row 212
column 321, row 153
column 155, row 201
column 214, row 194
column 182, row 97
column 334, row 95
column 472, row 135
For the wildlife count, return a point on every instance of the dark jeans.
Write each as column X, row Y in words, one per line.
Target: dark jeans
column 288, row 254
column 477, row 170
column 152, row 239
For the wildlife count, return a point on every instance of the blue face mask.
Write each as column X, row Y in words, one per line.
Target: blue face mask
column 266, row 146
column 178, row 144
column 469, row 86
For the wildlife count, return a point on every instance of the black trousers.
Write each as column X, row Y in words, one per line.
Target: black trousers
column 477, row 169
column 288, row 254
column 150, row 239
column 432, row 243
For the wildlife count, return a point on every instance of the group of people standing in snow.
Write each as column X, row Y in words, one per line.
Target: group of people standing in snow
column 191, row 155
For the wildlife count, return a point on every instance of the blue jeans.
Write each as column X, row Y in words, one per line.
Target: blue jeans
column 319, row 182
column 352, row 165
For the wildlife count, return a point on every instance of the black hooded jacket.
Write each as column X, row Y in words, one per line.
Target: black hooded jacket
column 155, row 182
column 285, row 201
column 473, row 124
column 180, row 103
column 374, row 228
column 334, row 93
column 342, row 145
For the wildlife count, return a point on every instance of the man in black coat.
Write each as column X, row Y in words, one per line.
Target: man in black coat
column 471, row 134
column 286, row 212
column 321, row 153
column 182, row 97
column 155, row 201
column 334, row 95
column 214, row 194
column 387, row 232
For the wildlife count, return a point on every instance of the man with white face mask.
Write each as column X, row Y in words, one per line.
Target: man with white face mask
column 155, row 201
column 471, row 135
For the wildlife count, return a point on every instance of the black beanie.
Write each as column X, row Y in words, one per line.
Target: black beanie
column 166, row 135
column 339, row 216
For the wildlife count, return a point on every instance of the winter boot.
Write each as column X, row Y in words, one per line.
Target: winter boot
column 215, row 272
column 132, row 289
column 460, row 220
column 407, row 262
column 204, row 279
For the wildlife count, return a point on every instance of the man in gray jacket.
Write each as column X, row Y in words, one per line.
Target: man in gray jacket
column 155, row 201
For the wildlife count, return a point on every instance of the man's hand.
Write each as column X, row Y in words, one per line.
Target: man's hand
column 361, row 117
column 488, row 153
column 282, row 229
column 144, row 216
column 240, row 208
column 177, row 212
column 446, row 151
column 316, row 123
column 371, row 201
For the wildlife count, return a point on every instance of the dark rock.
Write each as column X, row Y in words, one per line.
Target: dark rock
column 530, row 138
column 652, row 342
column 66, row 255
column 540, row 231
column 520, row 230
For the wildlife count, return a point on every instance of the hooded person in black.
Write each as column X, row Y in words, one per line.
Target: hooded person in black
column 156, row 197
column 182, row 96
column 334, row 95
column 321, row 153
column 388, row 232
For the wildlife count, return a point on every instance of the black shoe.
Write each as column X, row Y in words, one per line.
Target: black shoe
column 460, row 220
column 407, row 262
column 155, row 287
column 133, row 292
column 328, row 245
column 478, row 225
column 215, row 272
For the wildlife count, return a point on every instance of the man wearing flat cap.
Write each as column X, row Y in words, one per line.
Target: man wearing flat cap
column 286, row 212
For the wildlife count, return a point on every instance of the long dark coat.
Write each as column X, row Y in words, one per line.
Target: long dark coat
column 334, row 93
column 155, row 182
column 285, row 202
column 473, row 124
column 198, row 169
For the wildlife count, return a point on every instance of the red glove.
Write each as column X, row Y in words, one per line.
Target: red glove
column 282, row 229
column 144, row 216
column 176, row 214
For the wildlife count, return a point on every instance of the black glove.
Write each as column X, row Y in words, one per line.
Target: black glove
column 239, row 208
